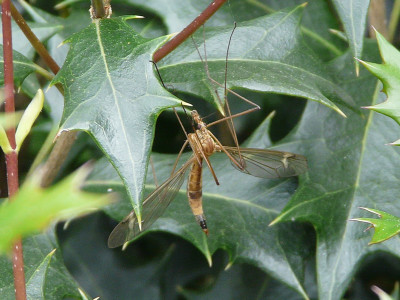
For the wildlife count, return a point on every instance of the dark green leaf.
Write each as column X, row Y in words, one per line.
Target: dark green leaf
column 275, row 59
column 112, row 93
column 317, row 20
column 353, row 15
column 105, row 273
column 349, row 166
column 243, row 282
column 56, row 283
column 240, row 209
column 35, row 284
column 22, row 67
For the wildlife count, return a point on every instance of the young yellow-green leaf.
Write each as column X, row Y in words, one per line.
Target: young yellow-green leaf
column 28, row 118
column 42, row 206
column 386, row 226
column 112, row 92
column 4, row 142
column 389, row 74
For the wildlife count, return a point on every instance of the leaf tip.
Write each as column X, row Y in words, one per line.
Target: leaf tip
column 273, row 222
column 228, row 266
column 341, row 113
column 125, row 245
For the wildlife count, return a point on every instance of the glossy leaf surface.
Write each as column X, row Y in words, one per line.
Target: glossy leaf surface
column 45, row 272
column 240, row 209
column 274, row 58
column 386, row 225
column 113, row 94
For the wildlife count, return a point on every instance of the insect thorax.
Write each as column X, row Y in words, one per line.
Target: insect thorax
column 202, row 142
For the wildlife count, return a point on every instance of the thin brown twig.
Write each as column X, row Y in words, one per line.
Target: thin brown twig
column 98, row 9
column 35, row 42
column 66, row 139
column 12, row 157
column 377, row 18
column 188, row 30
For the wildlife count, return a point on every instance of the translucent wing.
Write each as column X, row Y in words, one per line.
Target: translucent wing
column 153, row 207
column 269, row 163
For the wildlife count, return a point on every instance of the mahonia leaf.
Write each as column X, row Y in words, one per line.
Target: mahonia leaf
column 353, row 15
column 389, row 74
column 239, row 209
column 112, row 93
column 275, row 59
column 349, row 167
column 45, row 272
column 386, row 226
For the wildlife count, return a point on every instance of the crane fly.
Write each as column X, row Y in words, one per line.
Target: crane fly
column 256, row 162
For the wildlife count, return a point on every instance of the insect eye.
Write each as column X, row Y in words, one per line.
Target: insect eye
column 198, row 126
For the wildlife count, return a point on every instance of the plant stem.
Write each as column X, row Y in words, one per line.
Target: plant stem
column 12, row 158
column 65, row 140
column 187, row 31
column 35, row 42
column 394, row 20
column 377, row 18
column 98, row 9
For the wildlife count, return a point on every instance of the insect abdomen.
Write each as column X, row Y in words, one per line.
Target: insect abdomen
column 195, row 194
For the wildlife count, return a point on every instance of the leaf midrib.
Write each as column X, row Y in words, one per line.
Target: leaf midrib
column 103, row 56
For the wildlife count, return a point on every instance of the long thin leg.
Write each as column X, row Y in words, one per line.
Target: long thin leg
column 153, row 170
column 228, row 112
column 239, row 165
column 184, row 131
column 179, row 155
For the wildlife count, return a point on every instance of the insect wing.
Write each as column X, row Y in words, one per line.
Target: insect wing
column 153, row 207
column 269, row 163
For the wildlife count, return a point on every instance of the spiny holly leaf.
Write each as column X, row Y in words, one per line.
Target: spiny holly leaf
column 389, row 74
column 42, row 206
column 242, row 282
column 112, row 93
column 45, row 272
column 386, row 226
column 274, row 58
column 353, row 15
column 238, row 213
column 349, row 167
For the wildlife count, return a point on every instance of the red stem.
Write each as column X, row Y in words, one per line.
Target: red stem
column 12, row 158
column 188, row 31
